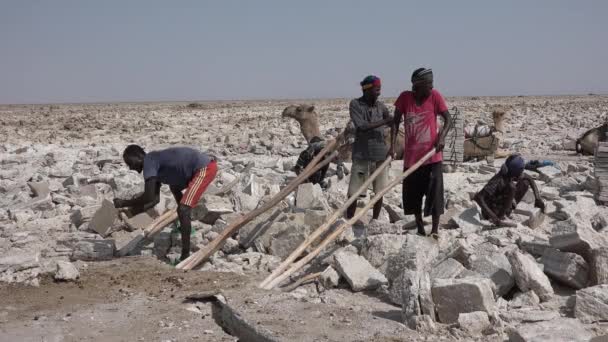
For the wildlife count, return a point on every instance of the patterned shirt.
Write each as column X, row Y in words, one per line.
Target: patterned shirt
column 420, row 124
column 497, row 192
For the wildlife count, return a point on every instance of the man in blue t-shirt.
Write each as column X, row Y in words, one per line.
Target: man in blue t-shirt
column 180, row 168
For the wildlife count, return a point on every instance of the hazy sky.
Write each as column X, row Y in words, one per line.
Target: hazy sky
column 89, row 51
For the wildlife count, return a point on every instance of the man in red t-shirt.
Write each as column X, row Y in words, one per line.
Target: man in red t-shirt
column 419, row 109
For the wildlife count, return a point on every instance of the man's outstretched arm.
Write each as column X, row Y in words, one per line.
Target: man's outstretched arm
column 148, row 199
column 538, row 201
column 394, row 132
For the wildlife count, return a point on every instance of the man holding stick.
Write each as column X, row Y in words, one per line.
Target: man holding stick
column 419, row 109
column 369, row 149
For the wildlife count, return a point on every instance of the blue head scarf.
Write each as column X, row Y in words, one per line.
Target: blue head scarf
column 514, row 165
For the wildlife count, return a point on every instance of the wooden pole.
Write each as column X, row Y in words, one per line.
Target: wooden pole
column 158, row 220
column 171, row 215
column 336, row 233
column 325, row 226
column 160, row 223
column 216, row 244
column 301, row 281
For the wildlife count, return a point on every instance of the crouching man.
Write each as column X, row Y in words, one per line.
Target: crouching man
column 180, row 168
column 504, row 191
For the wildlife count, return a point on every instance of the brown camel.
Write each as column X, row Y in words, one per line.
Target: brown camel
column 308, row 119
column 498, row 116
column 588, row 142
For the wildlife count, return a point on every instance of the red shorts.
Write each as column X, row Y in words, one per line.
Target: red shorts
column 198, row 184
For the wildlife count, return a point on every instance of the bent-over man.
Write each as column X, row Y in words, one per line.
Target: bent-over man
column 180, row 168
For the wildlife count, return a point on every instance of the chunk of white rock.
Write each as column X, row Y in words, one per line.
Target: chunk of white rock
column 592, row 304
column 567, row 268
column 455, row 296
column 358, row 272
column 475, row 323
column 528, row 276
column 66, row 271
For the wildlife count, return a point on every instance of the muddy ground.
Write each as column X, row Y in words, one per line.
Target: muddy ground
column 143, row 299
column 130, row 299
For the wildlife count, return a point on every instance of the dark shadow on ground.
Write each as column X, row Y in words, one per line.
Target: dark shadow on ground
column 383, row 297
column 391, row 315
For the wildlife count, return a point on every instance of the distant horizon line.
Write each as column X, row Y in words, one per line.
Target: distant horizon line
column 272, row 99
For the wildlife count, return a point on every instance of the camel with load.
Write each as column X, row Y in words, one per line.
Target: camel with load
column 481, row 140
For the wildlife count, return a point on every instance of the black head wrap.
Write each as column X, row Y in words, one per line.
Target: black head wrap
column 422, row 75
